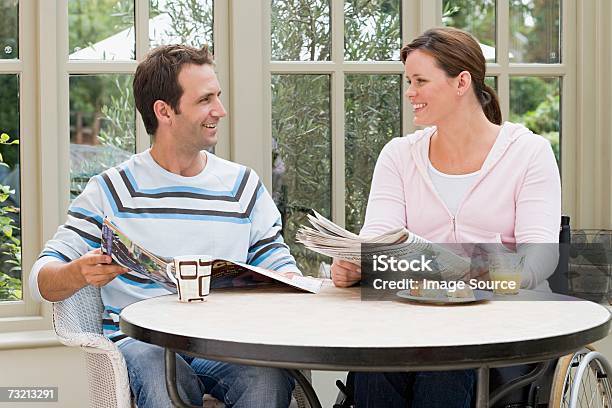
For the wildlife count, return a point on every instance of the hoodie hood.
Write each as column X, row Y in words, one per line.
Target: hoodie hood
column 508, row 134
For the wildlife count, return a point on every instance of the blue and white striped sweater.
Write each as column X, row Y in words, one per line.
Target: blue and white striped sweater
column 225, row 211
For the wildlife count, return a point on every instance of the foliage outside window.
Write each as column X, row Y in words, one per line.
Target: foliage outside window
column 101, row 29
column 181, row 22
column 10, row 221
column 10, row 239
column 372, row 30
column 475, row 17
column 102, row 125
column 534, row 101
column 373, row 106
column 102, row 112
column 300, row 31
column 301, row 174
column 9, row 29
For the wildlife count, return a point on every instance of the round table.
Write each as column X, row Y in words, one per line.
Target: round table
column 336, row 330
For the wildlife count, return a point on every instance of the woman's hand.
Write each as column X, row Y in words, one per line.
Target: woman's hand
column 344, row 273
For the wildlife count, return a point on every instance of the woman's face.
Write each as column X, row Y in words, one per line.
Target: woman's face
column 431, row 92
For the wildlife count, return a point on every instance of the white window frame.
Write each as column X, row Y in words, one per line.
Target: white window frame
column 12, row 313
column 244, row 68
column 45, row 127
column 254, row 147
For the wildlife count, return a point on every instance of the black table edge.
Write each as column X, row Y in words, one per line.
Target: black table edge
column 371, row 358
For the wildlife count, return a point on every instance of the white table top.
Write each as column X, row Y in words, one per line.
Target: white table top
column 337, row 321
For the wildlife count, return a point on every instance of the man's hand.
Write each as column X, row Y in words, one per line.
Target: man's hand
column 97, row 269
column 344, row 273
column 290, row 275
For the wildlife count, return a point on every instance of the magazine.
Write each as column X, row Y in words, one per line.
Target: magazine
column 224, row 273
column 328, row 238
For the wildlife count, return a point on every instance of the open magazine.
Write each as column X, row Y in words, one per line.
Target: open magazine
column 330, row 239
column 224, row 273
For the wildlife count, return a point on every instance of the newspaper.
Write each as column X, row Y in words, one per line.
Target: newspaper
column 224, row 273
column 330, row 239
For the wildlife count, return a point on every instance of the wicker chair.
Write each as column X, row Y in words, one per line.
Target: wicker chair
column 78, row 322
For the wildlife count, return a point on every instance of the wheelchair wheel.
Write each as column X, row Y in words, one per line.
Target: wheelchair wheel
column 581, row 381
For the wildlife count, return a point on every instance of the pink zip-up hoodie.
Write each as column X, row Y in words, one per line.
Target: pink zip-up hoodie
column 516, row 198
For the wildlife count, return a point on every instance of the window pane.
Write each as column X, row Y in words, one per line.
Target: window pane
column 535, row 34
column 301, row 156
column 372, row 30
column 9, row 29
column 373, row 105
column 181, row 22
column 535, row 102
column 300, row 30
column 10, row 200
column 102, row 125
column 476, row 17
column 492, row 82
column 101, row 29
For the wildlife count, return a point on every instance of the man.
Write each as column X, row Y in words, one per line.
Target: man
column 173, row 199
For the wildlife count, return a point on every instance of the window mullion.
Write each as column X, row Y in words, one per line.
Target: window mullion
column 221, row 50
column 141, row 31
column 29, row 202
column 410, row 29
column 100, row 67
column 569, row 122
column 63, row 141
column 502, row 14
column 337, row 114
column 430, row 14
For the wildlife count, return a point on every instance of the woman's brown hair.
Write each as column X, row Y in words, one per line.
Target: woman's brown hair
column 456, row 51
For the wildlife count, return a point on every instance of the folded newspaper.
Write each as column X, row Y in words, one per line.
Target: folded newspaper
column 224, row 273
column 330, row 239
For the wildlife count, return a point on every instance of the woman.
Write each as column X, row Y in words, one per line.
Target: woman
column 467, row 178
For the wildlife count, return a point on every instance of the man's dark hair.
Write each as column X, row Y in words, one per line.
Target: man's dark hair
column 156, row 78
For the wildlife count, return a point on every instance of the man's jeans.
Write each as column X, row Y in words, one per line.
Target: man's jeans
column 235, row 385
column 426, row 389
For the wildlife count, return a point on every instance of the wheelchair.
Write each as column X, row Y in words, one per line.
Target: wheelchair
column 578, row 380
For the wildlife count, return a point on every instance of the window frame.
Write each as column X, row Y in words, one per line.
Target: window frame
column 244, row 67
column 13, row 312
column 416, row 16
column 336, row 68
column 45, row 158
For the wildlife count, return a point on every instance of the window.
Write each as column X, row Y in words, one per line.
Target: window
column 525, row 57
column 18, row 197
column 339, row 61
column 336, row 99
column 90, row 50
column 297, row 80
column 102, row 56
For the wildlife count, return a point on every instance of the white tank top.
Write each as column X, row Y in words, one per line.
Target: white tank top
column 451, row 187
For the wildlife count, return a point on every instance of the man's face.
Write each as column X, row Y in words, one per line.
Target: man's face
column 195, row 127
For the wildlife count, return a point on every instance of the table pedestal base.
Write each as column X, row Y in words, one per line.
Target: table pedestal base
column 482, row 387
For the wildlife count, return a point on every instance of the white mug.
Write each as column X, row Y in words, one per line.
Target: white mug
column 193, row 277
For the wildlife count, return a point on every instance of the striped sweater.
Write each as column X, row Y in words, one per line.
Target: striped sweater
column 225, row 211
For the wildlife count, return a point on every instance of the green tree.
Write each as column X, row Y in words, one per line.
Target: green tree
column 476, row 17
column 10, row 241
column 534, row 34
column 301, row 119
